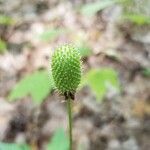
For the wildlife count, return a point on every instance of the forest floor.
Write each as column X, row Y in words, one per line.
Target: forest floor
column 120, row 121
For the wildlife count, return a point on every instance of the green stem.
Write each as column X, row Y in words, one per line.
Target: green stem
column 69, row 122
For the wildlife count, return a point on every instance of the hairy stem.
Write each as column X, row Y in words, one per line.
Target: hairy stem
column 69, row 122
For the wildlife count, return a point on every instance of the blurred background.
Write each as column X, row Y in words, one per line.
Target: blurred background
column 111, row 110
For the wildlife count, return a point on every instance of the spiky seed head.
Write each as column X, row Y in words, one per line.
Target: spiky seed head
column 66, row 68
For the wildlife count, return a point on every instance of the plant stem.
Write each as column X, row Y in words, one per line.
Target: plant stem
column 69, row 122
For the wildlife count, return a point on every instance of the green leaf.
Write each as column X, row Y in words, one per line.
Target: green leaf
column 38, row 85
column 13, row 146
column 84, row 50
column 100, row 80
column 146, row 72
column 2, row 46
column 91, row 9
column 59, row 141
column 6, row 20
column 51, row 34
column 137, row 19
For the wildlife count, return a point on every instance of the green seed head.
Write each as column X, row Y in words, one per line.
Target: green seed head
column 66, row 68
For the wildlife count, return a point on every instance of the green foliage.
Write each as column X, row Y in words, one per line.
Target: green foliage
column 38, row 85
column 137, row 19
column 146, row 72
column 84, row 50
column 6, row 20
column 51, row 34
column 66, row 68
column 99, row 80
column 126, row 2
column 91, row 9
column 136, row 12
column 2, row 46
column 13, row 146
column 59, row 141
